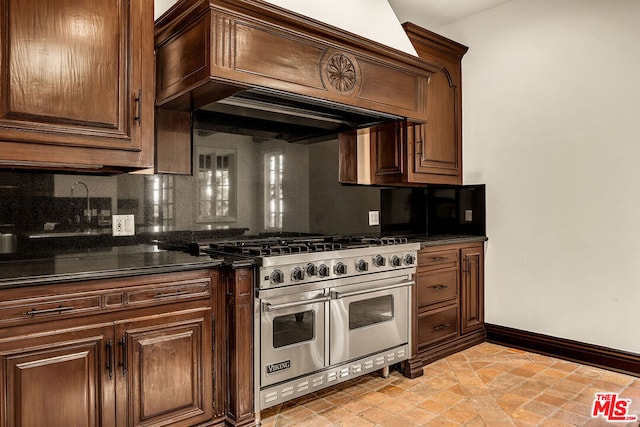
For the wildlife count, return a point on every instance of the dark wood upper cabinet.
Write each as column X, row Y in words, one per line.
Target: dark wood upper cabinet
column 437, row 151
column 414, row 152
column 77, row 84
column 375, row 155
column 207, row 50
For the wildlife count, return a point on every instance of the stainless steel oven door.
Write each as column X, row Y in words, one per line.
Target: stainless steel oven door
column 292, row 336
column 368, row 317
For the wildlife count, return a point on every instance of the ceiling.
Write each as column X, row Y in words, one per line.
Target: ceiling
column 432, row 14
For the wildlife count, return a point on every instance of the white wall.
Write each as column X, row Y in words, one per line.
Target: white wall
column 551, row 115
column 373, row 19
column 161, row 6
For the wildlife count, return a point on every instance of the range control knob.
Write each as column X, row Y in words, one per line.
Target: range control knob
column 323, row 270
column 277, row 277
column 409, row 259
column 311, row 269
column 297, row 274
column 362, row 265
column 395, row 261
column 378, row 261
column 340, row 268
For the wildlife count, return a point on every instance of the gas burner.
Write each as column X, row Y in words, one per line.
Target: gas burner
column 273, row 246
column 299, row 247
column 384, row 240
column 363, row 241
column 324, row 246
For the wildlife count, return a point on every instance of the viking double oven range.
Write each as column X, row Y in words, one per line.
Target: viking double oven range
column 326, row 309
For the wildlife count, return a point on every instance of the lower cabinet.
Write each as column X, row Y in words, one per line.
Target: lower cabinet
column 152, row 365
column 163, row 370
column 58, row 379
column 448, row 303
column 472, row 301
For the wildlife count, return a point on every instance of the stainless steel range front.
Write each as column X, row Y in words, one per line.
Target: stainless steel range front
column 329, row 310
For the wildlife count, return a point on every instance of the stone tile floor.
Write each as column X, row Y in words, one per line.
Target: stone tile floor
column 486, row 385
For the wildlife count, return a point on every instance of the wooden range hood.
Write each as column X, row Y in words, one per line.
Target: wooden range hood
column 221, row 58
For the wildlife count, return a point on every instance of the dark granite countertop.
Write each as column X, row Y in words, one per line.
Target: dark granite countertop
column 445, row 239
column 100, row 263
column 138, row 259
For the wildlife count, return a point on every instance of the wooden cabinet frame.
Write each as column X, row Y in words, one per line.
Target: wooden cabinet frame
column 456, row 317
column 77, row 89
column 118, row 364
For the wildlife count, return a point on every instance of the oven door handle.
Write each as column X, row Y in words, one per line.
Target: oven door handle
column 267, row 306
column 338, row 295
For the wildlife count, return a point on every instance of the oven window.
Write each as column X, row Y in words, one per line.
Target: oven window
column 293, row 328
column 370, row 311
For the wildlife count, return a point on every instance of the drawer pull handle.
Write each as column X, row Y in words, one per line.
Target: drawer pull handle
column 439, row 287
column 438, row 258
column 60, row 309
column 170, row 294
column 138, row 101
column 110, row 358
column 123, row 355
column 441, row 326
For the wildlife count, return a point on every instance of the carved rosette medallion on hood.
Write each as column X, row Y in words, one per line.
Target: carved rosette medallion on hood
column 340, row 72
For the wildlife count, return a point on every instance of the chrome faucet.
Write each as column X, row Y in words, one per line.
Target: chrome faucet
column 87, row 212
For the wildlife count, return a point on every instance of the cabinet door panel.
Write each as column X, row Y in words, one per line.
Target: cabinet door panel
column 472, row 289
column 67, row 54
column 438, row 158
column 65, row 68
column 76, row 84
column 387, row 152
column 60, row 380
column 439, row 153
column 166, row 362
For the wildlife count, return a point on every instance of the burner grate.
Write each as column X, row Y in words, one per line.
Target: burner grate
column 271, row 246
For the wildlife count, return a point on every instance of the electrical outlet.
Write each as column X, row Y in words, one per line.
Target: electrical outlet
column 123, row 225
column 374, row 217
column 468, row 215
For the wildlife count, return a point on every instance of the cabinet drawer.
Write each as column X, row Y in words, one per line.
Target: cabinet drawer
column 170, row 292
column 48, row 308
column 437, row 286
column 439, row 258
column 436, row 325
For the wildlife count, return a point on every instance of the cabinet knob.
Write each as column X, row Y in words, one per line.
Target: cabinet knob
column 311, row 269
column 323, row 270
column 297, row 274
column 277, row 277
column 362, row 266
column 340, row 268
column 379, row 261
